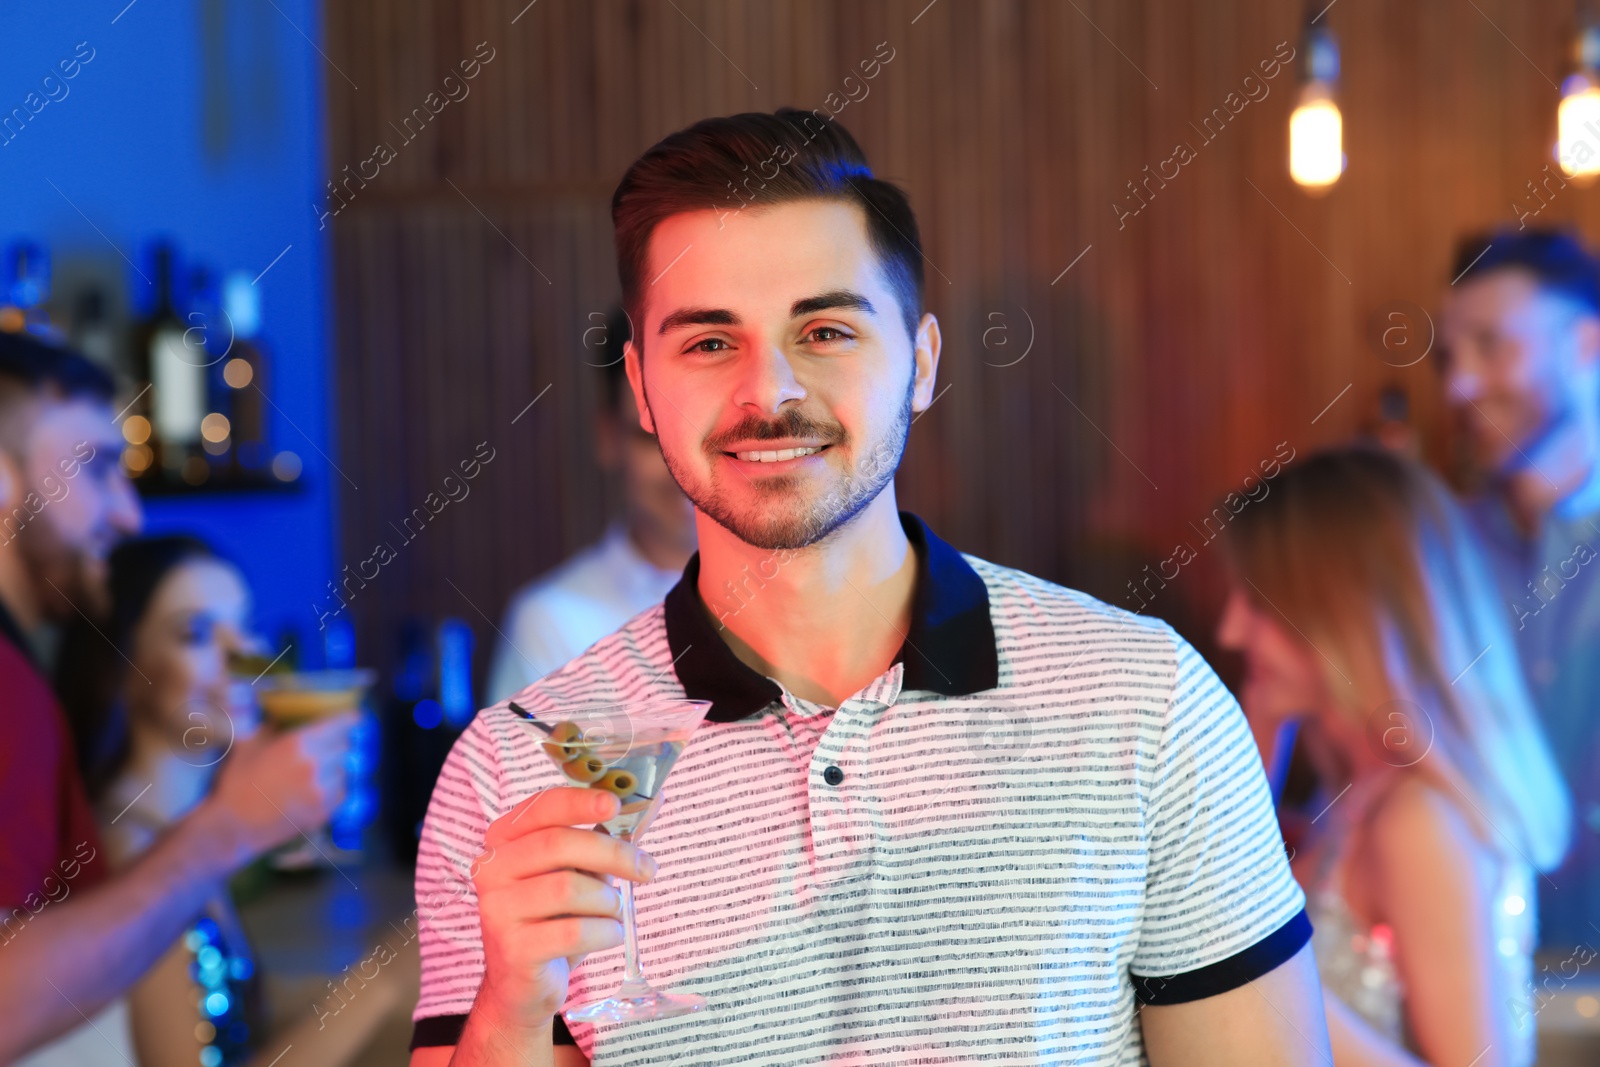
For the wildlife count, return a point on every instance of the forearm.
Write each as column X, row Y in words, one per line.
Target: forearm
column 328, row 1041
column 76, row 956
column 1356, row 1044
column 484, row 1043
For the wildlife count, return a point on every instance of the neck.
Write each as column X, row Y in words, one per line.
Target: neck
column 824, row 620
column 1344, row 756
column 1532, row 495
column 1557, row 472
column 660, row 549
column 177, row 784
column 16, row 589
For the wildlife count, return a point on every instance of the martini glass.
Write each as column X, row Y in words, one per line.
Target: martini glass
column 627, row 750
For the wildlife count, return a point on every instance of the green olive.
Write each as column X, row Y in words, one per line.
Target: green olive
column 564, row 743
column 621, row 783
column 584, row 770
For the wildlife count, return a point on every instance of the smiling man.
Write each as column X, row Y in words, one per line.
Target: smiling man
column 940, row 810
column 1520, row 350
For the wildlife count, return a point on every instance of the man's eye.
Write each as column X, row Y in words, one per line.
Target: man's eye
column 700, row 346
column 836, row 334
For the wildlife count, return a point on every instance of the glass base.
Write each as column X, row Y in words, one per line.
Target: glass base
column 636, row 1005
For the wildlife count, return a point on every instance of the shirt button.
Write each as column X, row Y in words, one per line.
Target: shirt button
column 833, row 776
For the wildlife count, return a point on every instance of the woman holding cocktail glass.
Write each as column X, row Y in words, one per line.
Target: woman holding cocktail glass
column 155, row 709
column 1365, row 615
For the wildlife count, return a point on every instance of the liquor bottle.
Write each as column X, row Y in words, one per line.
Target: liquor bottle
column 455, row 672
column 27, row 287
column 92, row 333
column 348, row 822
column 209, row 340
column 245, row 372
column 171, row 360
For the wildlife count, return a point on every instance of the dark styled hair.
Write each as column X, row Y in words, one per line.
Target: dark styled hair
column 759, row 160
column 1555, row 258
column 93, row 664
column 35, row 365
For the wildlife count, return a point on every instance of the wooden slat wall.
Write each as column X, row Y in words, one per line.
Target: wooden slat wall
column 1221, row 320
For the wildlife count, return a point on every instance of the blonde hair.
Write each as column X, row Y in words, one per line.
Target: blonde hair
column 1368, row 557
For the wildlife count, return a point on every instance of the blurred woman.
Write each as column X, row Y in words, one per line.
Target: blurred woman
column 154, row 711
column 1365, row 614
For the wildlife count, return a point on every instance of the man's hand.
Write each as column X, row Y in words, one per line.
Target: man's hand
column 546, row 899
column 269, row 786
column 274, row 785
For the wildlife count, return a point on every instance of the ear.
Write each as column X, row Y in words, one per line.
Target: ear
column 11, row 481
column 1586, row 332
column 635, row 367
column 926, row 356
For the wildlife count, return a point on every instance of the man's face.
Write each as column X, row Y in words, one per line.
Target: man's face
column 777, row 373
column 1512, row 353
column 69, row 504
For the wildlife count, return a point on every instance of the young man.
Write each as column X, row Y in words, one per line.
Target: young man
column 940, row 811
column 564, row 612
column 1520, row 341
column 73, row 935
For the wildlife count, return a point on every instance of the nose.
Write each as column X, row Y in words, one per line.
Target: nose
column 767, row 380
column 1462, row 386
column 1462, row 381
column 124, row 512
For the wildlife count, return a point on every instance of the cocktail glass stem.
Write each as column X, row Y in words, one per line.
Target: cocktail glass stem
column 633, row 980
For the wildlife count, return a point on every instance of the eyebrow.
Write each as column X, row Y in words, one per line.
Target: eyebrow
column 845, row 299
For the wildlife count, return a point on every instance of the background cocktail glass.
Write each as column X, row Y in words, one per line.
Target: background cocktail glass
column 295, row 698
column 290, row 699
column 627, row 749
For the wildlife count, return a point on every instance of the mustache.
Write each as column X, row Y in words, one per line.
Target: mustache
column 791, row 423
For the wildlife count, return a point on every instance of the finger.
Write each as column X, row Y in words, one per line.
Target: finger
column 554, row 895
column 557, row 806
column 559, row 848
column 575, row 936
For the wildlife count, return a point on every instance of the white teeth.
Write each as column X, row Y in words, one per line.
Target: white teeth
column 776, row 457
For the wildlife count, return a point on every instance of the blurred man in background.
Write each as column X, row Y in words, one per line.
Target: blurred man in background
column 73, row 937
column 640, row 558
column 1521, row 355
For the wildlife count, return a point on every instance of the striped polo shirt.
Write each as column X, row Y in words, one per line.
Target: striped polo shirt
column 1045, row 812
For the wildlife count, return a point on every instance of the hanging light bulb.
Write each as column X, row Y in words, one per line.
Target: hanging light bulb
column 1316, row 129
column 1578, row 115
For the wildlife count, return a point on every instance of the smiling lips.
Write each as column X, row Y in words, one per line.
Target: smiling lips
column 779, row 455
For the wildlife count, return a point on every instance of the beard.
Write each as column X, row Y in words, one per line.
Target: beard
column 776, row 513
column 69, row 582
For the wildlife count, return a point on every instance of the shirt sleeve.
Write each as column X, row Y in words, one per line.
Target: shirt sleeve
column 46, row 822
column 466, row 799
column 1221, row 906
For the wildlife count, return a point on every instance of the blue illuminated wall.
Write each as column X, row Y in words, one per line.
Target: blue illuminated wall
column 199, row 120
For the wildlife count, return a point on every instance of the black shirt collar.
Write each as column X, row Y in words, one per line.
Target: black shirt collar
column 949, row 649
